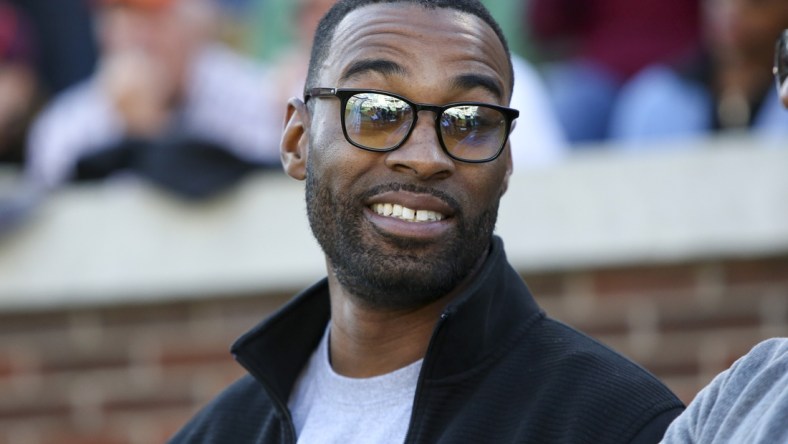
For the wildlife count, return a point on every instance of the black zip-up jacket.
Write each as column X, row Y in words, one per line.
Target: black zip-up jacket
column 497, row 370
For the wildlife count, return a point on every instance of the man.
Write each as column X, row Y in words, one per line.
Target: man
column 422, row 332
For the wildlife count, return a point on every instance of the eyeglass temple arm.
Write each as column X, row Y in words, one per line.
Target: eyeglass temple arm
column 319, row 92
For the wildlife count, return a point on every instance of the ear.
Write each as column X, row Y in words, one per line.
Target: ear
column 294, row 147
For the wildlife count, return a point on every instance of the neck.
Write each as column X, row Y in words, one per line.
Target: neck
column 366, row 342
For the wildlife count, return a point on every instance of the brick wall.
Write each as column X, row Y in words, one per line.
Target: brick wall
column 133, row 374
column 120, row 374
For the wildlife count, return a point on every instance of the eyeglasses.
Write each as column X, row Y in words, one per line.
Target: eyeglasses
column 780, row 69
column 381, row 121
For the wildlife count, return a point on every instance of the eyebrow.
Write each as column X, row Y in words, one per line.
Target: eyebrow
column 387, row 67
column 382, row 66
column 470, row 81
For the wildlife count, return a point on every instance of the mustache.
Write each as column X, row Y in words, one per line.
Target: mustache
column 396, row 186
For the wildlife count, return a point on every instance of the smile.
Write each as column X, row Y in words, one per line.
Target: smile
column 405, row 213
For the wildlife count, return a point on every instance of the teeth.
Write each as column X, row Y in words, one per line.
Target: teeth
column 406, row 213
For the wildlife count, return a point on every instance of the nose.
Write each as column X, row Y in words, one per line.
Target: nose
column 422, row 154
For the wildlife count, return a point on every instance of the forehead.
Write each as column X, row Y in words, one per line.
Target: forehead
column 429, row 45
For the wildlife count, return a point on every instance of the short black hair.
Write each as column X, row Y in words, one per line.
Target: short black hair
column 328, row 24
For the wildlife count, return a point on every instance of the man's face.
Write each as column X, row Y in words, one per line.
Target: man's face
column 430, row 56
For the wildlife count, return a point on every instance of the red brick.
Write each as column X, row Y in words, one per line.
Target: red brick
column 143, row 315
column 545, row 284
column 729, row 310
column 187, row 356
column 74, row 363
column 717, row 321
column 6, row 366
column 253, row 306
column 11, row 323
column 757, row 271
column 18, row 412
column 644, row 280
column 75, row 437
column 148, row 404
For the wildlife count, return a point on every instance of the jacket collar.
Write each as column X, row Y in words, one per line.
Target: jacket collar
column 478, row 324
column 482, row 321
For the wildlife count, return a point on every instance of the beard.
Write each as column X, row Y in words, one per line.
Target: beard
column 386, row 272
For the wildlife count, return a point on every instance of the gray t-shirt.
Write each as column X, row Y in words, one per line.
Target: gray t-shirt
column 748, row 403
column 331, row 408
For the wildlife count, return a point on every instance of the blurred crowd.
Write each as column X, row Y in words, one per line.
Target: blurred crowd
column 160, row 90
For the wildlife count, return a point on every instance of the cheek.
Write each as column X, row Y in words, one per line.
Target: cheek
column 330, row 161
column 331, row 152
column 324, row 152
column 484, row 190
column 325, row 130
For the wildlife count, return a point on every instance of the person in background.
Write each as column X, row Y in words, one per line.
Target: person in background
column 727, row 86
column 162, row 81
column 593, row 46
column 538, row 140
column 422, row 332
column 19, row 90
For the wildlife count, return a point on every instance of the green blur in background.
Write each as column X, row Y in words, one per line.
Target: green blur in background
column 270, row 26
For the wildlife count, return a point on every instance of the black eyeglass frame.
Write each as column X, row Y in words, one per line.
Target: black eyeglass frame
column 780, row 69
column 344, row 95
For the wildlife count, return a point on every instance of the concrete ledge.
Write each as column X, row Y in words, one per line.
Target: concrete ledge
column 124, row 241
column 717, row 198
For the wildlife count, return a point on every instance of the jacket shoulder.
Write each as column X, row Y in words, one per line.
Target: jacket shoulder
column 606, row 389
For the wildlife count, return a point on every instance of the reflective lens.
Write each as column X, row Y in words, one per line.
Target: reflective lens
column 473, row 132
column 377, row 121
column 382, row 122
